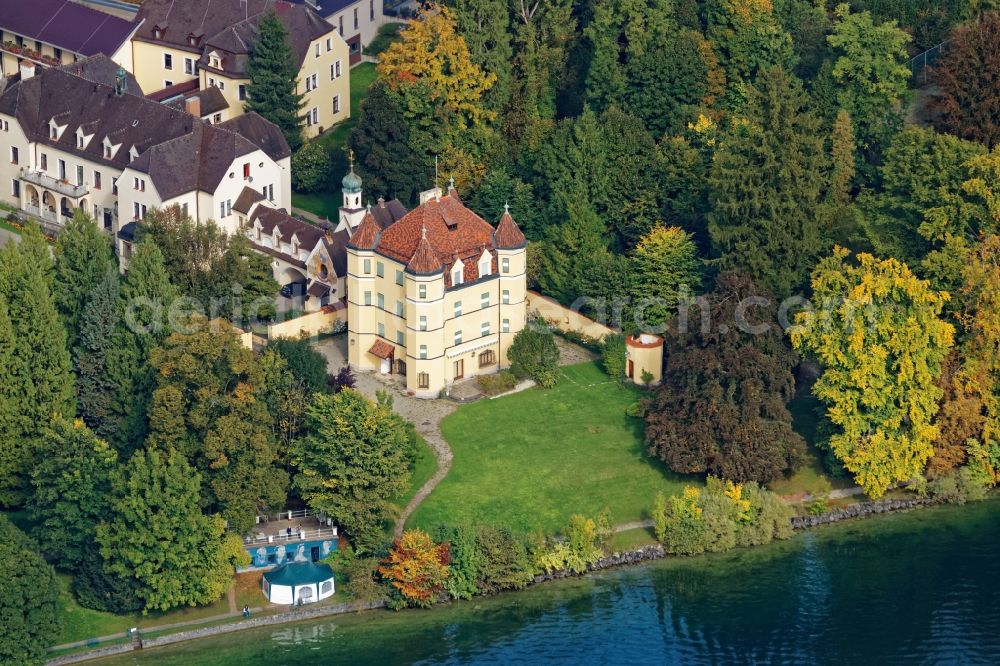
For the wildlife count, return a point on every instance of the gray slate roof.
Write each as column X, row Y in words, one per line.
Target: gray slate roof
column 179, row 152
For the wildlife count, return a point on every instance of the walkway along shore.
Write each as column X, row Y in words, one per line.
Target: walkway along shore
column 627, row 558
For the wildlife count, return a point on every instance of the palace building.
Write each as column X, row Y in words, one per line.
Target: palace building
column 437, row 296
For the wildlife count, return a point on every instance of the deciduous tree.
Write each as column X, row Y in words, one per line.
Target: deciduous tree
column 352, row 462
column 534, row 354
column 416, row 567
column 207, row 405
column 159, row 536
column 721, row 406
column 967, row 77
column 664, row 262
column 881, row 340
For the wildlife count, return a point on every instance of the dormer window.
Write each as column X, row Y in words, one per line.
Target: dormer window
column 109, row 148
column 133, row 153
column 55, row 131
column 82, row 139
column 485, row 263
column 214, row 60
column 457, row 273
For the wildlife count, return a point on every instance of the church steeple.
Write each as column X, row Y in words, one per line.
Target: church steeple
column 351, row 186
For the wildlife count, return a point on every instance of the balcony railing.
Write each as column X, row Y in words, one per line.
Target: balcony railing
column 283, row 537
column 48, row 182
column 43, row 213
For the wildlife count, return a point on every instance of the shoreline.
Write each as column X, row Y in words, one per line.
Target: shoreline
column 634, row 557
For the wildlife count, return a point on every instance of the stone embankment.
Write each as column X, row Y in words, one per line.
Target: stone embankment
column 862, row 510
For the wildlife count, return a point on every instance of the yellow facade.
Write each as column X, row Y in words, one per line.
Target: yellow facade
column 324, row 83
column 441, row 336
column 644, row 354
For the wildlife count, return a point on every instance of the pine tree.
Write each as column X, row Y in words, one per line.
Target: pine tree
column 273, row 72
column 767, row 180
column 71, row 485
column 485, row 27
column 40, row 370
column 82, row 258
column 159, row 536
column 30, row 606
column 96, row 385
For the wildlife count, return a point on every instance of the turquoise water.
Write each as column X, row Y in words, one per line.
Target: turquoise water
column 917, row 588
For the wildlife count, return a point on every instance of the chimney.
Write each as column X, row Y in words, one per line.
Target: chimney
column 381, row 202
column 427, row 195
column 193, row 106
column 27, row 70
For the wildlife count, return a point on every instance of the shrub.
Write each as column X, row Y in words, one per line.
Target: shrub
column 498, row 383
column 30, row 602
column 303, row 360
column 534, row 354
column 818, row 506
column 613, row 356
column 417, row 568
column 310, row 168
column 719, row 517
column 966, row 484
column 503, row 560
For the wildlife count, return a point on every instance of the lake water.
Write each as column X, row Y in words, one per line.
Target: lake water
column 916, row 588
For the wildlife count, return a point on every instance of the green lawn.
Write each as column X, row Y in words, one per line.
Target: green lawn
column 423, row 468
column 326, row 204
column 387, row 34
column 812, row 477
column 534, row 458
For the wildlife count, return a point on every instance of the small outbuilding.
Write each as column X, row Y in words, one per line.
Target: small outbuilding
column 298, row 583
column 644, row 356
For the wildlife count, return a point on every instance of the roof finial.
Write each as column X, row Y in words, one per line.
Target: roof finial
column 506, row 208
column 451, row 182
column 435, row 171
column 423, row 232
column 369, row 206
column 350, row 157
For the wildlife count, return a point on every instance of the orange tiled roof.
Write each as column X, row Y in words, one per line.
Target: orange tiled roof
column 382, row 349
column 424, row 260
column 508, row 235
column 366, row 235
column 453, row 231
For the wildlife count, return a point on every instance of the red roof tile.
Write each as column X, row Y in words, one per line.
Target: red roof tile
column 382, row 349
column 367, row 233
column 424, row 260
column 453, row 232
column 508, row 235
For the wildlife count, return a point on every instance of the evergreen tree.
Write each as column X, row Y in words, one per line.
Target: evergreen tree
column 664, row 262
column 29, row 606
column 273, row 73
column 82, row 258
column 500, row 188
column 96, row 383
column 842, row 154
column 485, row 27
column 39, row 369
column 767, row 181
column 389, row 164
column 71, row 485
column 243, row 283
column 748, row 39
column 145, row 299
column 159, row 536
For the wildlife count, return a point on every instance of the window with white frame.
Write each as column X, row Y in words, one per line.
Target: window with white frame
column 423, row 322
column 399, row 308
column 422, row 291
column 505, row 265
column 505, row 297
column 458, row 308
column 485, row 264
column 367, row 266
column 189, row 66
column 505, row 326
column 423, row 351
column 139, row 184
column 381, row 330
column 336, row 103
column 368, row 298
column 379, row 269
column 399, row 278
column 457, row 276
column 14, row 156
column 381, row 301
column 168, row 61
column 484, row 330
column 484, row 300
column 400, row 338
column 458, row 337
column 317, row 50
column 329, row 44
